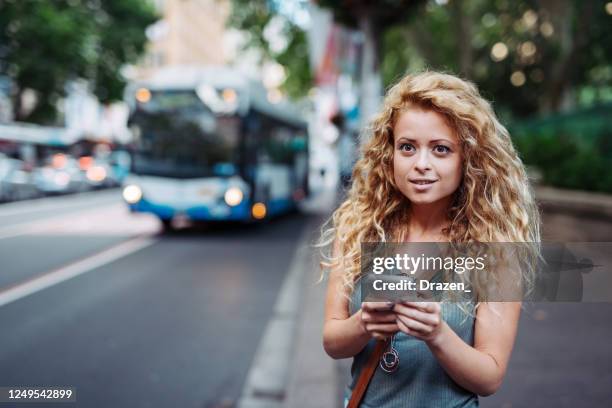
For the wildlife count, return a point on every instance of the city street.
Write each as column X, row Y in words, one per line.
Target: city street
column 96, row 298
column 146, row 319
column 167, row 167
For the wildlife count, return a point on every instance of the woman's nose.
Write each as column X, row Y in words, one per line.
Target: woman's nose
column 422, row 162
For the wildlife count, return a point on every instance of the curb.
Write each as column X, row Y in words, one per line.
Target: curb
column 268, row 379
column 290, row 352
column 582, row 203
column 314, row 381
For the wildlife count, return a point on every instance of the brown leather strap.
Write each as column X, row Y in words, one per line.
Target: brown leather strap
column 366, row 374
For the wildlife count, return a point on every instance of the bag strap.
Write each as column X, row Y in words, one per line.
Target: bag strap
column 366, row 374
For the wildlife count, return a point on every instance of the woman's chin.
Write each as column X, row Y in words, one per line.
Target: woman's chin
column 424, row 198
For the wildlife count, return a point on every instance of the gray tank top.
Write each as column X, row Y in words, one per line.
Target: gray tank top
column 419, row 381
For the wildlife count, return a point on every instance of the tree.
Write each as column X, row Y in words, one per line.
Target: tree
column 252, row 17
column 373, row 18
column 552, row 49
column 45, row 44
column 531, row 56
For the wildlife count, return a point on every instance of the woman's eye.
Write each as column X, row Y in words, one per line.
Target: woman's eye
column 442, row 149
column 406, row 147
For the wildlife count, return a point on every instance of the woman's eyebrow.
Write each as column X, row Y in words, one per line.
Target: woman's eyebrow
column 406, row 139
column 431, row 141
column 441, row 140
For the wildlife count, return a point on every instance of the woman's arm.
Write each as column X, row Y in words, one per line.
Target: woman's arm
column 344, row 335
column 481, row 368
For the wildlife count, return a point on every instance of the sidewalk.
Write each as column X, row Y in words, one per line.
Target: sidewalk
column 315, row 380
column 583, row 203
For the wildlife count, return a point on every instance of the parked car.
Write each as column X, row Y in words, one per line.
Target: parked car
column 52, row 181
column 16, row 183
column 62, row 175
column 102, row 175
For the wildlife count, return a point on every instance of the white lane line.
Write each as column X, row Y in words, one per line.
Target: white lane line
column 72, row 270
column 29, row 227
column 17, row 230
column 113, row 219
column 56, row 203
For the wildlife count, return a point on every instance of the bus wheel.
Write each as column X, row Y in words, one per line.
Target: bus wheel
column 167, row 225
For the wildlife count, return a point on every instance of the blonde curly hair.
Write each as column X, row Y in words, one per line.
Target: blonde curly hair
column 494, row 202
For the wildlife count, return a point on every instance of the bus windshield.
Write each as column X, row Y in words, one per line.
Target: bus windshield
column 177, row 136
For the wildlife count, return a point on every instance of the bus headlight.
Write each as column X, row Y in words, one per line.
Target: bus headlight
column 132, row 194
column 233, row 196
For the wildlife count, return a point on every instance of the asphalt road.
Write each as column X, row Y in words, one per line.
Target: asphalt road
column 153, row 321
column 562, row 355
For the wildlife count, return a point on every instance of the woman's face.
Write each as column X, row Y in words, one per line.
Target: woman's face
column 427, row 156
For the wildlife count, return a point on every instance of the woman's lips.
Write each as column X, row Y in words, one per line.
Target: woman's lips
column 422, row 184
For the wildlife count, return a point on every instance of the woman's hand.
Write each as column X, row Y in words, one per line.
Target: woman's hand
column 378, row 319
column 422, row 320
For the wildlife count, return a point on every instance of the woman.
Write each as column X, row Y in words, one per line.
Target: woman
column 438, row 167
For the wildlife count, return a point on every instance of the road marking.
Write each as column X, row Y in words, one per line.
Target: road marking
column 110, row 220
column 74, row 269
column 17, row 230
column 37, row 225
column 57, row 203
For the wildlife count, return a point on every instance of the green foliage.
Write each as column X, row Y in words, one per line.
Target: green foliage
column 43, row 44
column 252, row 17
column 572, row 40
column 572, row 150
column 575, row 56
column 295, row 60
column 122, row 40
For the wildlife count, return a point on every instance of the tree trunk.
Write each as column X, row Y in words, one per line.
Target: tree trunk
column 463, row 35
column 572, row 40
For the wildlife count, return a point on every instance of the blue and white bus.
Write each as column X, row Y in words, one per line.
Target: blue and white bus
column 212, row 145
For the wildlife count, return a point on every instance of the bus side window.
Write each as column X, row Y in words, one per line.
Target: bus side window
column 278, row 144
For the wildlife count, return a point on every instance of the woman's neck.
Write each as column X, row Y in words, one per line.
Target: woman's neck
column 426, row 221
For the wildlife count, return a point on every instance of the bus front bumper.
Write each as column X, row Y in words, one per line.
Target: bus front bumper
column 215, row 212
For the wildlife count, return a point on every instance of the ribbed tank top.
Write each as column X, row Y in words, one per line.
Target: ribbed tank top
column 419, row 381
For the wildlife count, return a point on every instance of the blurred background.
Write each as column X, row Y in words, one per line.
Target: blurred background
column 166, row 165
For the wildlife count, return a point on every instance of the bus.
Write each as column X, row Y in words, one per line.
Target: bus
column 212, row 145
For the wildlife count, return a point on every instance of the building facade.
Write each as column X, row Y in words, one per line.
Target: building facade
column 190, row 32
